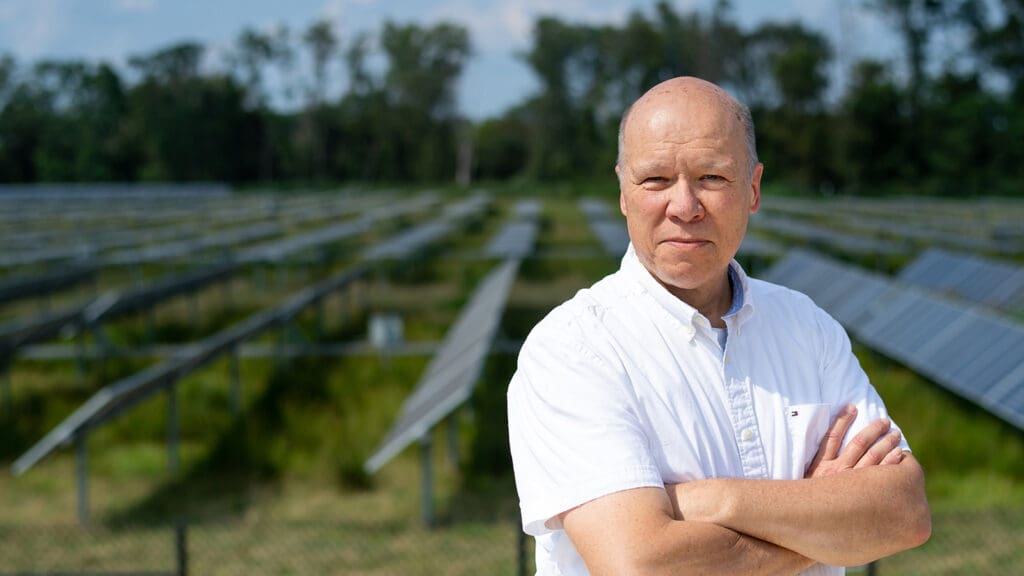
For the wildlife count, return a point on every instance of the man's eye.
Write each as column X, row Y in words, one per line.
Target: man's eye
column 712, row 178
column 655, row 180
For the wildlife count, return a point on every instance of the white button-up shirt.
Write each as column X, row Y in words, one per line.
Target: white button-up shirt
column 626, row 386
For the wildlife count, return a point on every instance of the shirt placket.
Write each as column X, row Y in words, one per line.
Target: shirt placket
column 739, row 391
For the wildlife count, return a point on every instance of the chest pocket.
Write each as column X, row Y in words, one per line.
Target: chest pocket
column 807, row 424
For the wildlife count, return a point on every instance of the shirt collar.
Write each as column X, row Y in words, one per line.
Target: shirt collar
column 742, row 300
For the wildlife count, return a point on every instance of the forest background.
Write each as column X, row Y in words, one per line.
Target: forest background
column 934, row 121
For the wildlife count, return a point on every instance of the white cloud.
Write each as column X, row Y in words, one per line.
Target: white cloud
column 507, row 24
column 34, row 29
column 137, row 6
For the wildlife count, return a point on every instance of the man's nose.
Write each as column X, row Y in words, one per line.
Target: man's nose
column 683, row 203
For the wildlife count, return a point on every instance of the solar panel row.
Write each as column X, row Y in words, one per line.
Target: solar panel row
column 455, row 368
column 610, row 232
column 516, row 239
column 415, row 239
column 968, row 276
column 123, row 394
column 828, row 236
column 993, row 226
column 968, row 350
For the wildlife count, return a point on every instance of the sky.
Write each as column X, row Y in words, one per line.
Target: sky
column 494, row 80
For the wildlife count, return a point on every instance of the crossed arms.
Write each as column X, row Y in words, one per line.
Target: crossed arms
column 853, row 506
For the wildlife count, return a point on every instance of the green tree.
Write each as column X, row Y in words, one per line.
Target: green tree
column 876, row 118
column 190, row 126
column 794, row 127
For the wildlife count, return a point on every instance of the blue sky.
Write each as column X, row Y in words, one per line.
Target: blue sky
column 494, row 80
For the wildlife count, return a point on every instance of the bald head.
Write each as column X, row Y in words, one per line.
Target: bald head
column 698, row 93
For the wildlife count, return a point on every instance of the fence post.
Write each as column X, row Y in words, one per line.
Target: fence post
column 181, row 548
column 872, row 569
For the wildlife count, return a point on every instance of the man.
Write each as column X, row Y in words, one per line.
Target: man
column 679, row 417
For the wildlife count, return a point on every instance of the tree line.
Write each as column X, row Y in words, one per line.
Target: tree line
column 938, row 120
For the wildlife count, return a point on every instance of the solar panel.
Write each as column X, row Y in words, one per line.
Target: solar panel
column 968, row 276
column 451, row 375
column 809, row 232
column 123, row 394
column 516, row 239
column 611, row 232
column 403, row 245
column 969, row 350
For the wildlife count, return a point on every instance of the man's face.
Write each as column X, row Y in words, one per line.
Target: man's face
column 686, row 189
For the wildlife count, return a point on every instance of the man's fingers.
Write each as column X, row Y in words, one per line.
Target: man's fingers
column 895, row 456
column 859, row 445
column 880, row 450
column 833, row 440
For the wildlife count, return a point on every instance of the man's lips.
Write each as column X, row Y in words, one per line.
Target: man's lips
column 686, row 243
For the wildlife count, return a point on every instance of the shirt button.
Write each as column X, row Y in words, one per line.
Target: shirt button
column 747, row 435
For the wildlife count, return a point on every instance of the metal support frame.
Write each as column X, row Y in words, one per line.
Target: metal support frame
column 427, row 481
column 194, row 309
column 318, row 323
column 150, row 319
column 180, row 548
column 82, row 473
column 173, row 431
column 6, row 397
column 236, row 382
column 452, row 425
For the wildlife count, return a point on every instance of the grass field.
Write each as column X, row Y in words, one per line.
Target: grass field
column 279, row 487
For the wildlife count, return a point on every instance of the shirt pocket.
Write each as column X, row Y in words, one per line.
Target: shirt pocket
column 807, row 425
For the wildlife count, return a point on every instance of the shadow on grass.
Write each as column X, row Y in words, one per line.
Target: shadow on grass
column 240, row 466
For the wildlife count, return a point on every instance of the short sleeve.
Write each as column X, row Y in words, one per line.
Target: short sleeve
column 844, row 381
column 573, row 426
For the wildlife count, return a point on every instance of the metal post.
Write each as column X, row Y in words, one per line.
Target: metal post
column 151, row 324
column 236, row 382
column 427, row 505
column 82, row 470
column 173, row 457
column 195, row 309
column 318, row 324
column 452, row 425
column 181, row 548
column 6, row 398
column 226, row 290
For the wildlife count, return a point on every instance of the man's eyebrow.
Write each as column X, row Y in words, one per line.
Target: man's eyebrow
column 648, row 167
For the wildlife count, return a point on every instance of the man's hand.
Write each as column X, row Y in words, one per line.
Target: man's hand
column 877, row 443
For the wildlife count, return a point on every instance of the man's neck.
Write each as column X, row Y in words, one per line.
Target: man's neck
column 713, row 302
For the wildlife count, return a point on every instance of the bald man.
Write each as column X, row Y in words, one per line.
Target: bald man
column 680, row 417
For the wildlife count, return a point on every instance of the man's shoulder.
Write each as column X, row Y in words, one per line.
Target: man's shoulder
column 780, row 304
column 584, row 315
column 764, row 290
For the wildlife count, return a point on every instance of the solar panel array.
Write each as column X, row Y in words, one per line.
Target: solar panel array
column 415, row 239
column 452, row 373
column 611, row 232
column 809, row 232
column 148, row 228
column 968, row 276
column 516, row 239
column 123, row 394
column 279, row 249
column 989, row 225
column 968, row 350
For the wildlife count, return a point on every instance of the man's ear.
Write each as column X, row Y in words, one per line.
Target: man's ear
column 622, row 198
column 755, row 185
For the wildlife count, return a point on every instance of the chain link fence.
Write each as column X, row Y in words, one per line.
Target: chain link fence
column 979, row 542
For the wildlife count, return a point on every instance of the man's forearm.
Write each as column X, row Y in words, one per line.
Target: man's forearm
column 844, row 519
column 633, row 532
